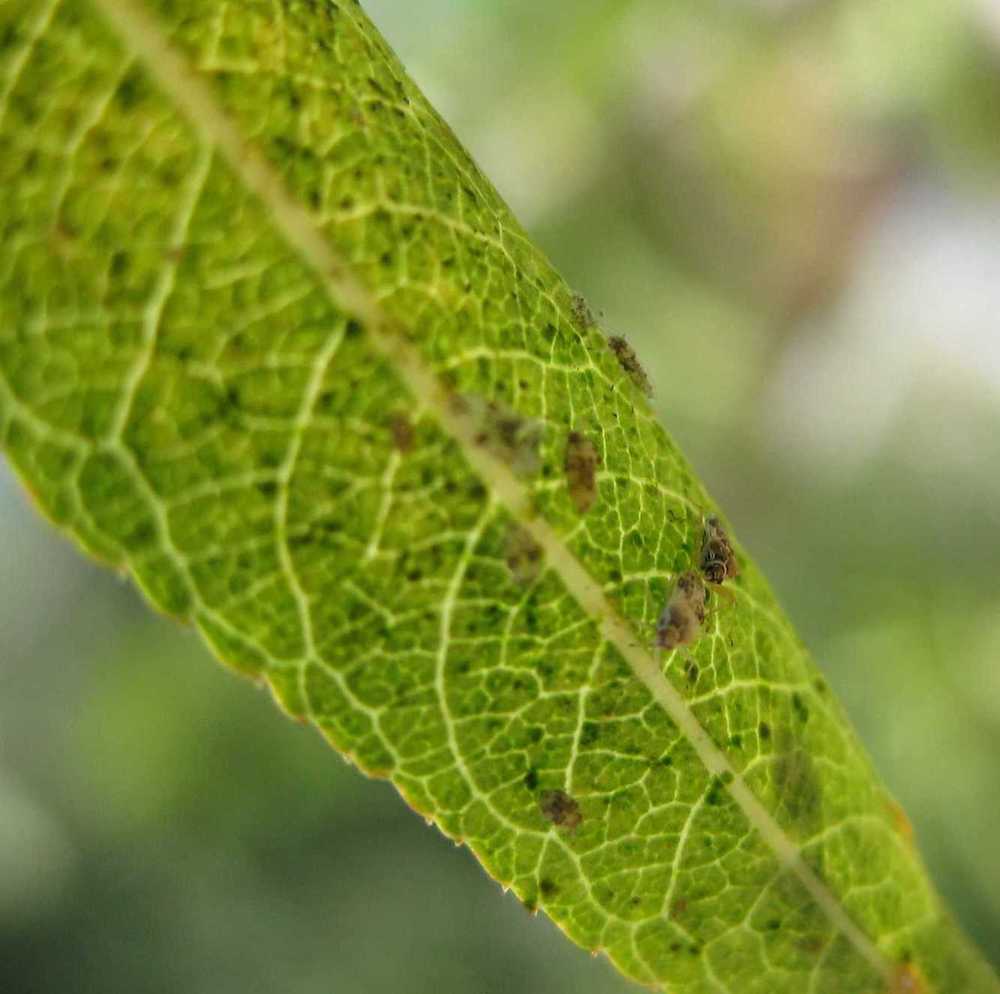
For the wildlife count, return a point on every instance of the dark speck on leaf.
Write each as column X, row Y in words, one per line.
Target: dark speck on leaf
column 800, row 708
column 523, row 556
column 508, row 435
column 813, row 945
column 560, row 809
column 799, row 790
column 402, row 431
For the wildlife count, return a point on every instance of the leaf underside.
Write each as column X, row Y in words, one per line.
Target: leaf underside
column 272, row 343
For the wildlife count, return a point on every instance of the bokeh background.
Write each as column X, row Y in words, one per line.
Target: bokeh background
column 792, row 209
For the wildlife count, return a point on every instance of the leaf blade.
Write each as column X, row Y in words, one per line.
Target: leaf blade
column 246, row 467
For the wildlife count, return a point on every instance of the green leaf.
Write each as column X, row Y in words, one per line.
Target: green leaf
column 271, row 343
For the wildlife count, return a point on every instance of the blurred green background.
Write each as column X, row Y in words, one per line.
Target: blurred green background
column 792, row 209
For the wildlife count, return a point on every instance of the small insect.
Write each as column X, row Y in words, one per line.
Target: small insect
column 582, row 314
column 684, row 613
column 629, row 362
column 718, row 562
column 560, row 809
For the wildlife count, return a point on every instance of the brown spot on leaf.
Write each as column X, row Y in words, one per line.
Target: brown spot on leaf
column 813, row 945
column 678, row 907
column 402, row 431
column 63, row 240
column 682, row 617
column 906, row 979
column 560, row 809
column 582, row 314
column 581, row 465
column 798, row 788
column 718, row 561
column 511, row 437
column 629, row 362
column 523, row 556
column 900, row 820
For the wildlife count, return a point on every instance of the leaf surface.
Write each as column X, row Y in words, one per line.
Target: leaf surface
column 272, row 343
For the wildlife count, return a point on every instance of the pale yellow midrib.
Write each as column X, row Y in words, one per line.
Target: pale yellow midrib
column 146, row 39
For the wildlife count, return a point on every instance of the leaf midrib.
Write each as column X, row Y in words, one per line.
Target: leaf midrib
column 143, row 35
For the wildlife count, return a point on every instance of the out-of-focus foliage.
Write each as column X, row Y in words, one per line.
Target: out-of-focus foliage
column 795, row 202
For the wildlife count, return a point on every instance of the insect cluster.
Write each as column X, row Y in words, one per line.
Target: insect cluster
column 686, row 609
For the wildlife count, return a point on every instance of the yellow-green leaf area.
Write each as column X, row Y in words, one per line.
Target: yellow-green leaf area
column 272, row 343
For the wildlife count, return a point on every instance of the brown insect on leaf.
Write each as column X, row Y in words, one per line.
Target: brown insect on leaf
column 560, row 809
column 684, row 613
column 523, row 556
column 402, row 431
column 629, row 362
column 581, row 465
column 718, row 561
